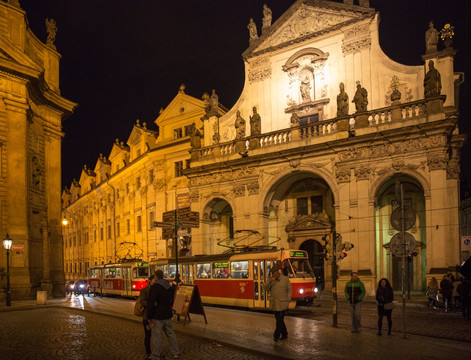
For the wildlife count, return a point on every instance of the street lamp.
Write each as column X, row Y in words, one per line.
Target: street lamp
column 7, row 244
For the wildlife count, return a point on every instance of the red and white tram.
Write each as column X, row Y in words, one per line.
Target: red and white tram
column 125, row 279
column 236, row 279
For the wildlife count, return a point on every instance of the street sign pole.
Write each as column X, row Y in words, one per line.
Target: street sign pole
column 334, row 278
column 404, row 255
column 175, row 242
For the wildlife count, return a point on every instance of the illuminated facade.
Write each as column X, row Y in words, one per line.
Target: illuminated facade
column 31, row 114
column 324, row 126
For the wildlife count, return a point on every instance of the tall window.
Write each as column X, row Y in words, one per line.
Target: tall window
column 187, row 130
column 109, row 231
column 301, row 205
column 118, row 230
column 151, row 219
column 94, row 235
column 151, row 176
column 127, row 188
column 139, row 223
column 179, row 168
column 177, row 133
column 128, row 226
column 101, row 234
column 138, row 182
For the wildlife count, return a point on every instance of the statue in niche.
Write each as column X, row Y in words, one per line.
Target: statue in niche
column 431, row 38
column 240, row 126
column 255, row 123
column 432, row 81
column 51, row 29
column 36, row 173
column 306, row 89
column 267, row 16
column 342, row 101
column 252, row 30
column 360, row 99
column 195, row 137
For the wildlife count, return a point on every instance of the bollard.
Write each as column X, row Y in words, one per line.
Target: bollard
column 41, row 297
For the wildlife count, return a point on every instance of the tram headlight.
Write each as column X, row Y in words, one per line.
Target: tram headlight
column 133, row 286
column 82, row 286
column 316, row 290
column 301, row 291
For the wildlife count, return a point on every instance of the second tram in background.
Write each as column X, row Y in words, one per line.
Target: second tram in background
column 124, row 279
column 235, row 279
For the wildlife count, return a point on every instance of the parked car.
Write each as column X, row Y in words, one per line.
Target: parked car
column 69, row 287
column 82, row 287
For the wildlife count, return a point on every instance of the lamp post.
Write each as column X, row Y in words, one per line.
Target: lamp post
column 7, row 244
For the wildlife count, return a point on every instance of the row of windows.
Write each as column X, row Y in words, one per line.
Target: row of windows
column 76, row 239
column 180, row 132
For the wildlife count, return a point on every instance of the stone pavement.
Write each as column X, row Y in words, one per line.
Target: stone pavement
column 250, row 331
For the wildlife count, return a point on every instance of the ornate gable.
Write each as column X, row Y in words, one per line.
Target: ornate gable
column 308, row 18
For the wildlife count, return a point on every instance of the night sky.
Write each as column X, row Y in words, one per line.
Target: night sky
column 123, row 60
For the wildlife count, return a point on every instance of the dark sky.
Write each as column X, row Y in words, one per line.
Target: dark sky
column 123, row 60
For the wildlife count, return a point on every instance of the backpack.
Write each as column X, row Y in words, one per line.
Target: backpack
column 138, row 308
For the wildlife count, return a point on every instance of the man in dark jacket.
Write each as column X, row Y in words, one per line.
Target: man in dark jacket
column 354, row 292
column 160, row 313
column 143, row 296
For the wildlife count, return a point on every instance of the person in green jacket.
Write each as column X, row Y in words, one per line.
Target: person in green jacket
column 354, row 292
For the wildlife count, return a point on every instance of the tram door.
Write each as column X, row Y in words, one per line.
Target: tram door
column 259, row 277
column 126, row 281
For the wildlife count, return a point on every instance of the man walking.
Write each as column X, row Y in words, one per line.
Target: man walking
column 143, row 296
column 354, row 292
column 279, row 287
column 160, row 313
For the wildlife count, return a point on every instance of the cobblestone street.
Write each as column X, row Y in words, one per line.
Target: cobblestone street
column 61, row 333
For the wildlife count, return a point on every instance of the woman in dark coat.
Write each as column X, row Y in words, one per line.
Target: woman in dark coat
column 384, row 298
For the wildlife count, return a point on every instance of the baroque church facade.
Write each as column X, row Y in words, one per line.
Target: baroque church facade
column 326, row 125
column 31, row 115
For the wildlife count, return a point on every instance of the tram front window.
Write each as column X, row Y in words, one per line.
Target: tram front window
column 299, row 268
column 140, row 272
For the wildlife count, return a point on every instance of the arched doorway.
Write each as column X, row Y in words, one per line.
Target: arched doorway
column 316, row 259
column 218, row 225
column 387, row 265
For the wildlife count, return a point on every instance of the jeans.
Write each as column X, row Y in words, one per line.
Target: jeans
column 147, row 336
column 280, row 325
column 167, row 326
column 355, row 310
column 383, row 312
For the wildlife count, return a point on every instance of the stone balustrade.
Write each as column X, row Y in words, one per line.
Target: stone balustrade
column 396, row 112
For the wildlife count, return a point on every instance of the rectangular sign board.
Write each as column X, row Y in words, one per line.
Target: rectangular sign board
column 163, row 224
column 17, row 248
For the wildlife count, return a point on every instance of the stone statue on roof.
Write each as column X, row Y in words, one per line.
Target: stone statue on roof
column 360, row 99
column 51, row 29
column 252, row 30
column 240, row 126
column 195, row 137
column 267, row 16
column 432, row 81
column 342, row 101
column 255, row 123
column 431, row 38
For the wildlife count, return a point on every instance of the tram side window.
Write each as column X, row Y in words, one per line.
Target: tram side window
column 220, row 270
column 240, row 269
column 171, row 271
column 140, row 272
column 203, row 271
column 94, row 274
column 113, row 273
